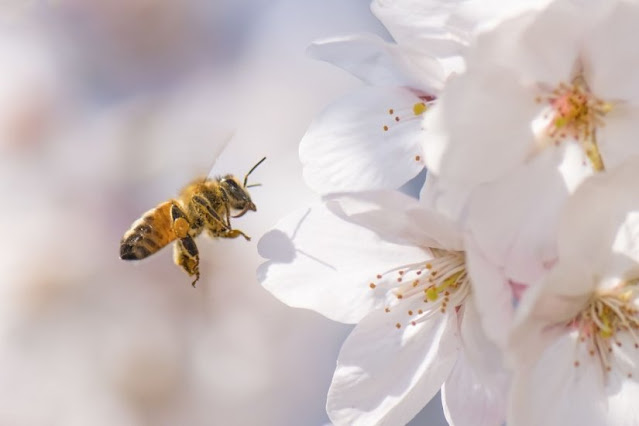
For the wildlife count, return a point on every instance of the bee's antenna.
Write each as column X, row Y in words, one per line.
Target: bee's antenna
column 251, row 171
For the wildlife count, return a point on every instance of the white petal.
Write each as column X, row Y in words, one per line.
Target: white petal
column 481, row 15
column 556, row 392
column 514, row 220
column 622, row 389
column 541, row 47
column 422, row 24
column 462, row 144
column 492, row 293
column 467, row 402
column 398, row 218
column 599, row 228
column 380, row 63
column 386, row 375
column 475, row 393
column 481, row 353
column 347, row 149
column 543, row 312
column 445, row 197
column 616, row 139
column 611, row 73
column 320, row 262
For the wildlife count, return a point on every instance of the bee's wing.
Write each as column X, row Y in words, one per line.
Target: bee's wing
column 161, row 143
column 216, row 153
column 190, row 148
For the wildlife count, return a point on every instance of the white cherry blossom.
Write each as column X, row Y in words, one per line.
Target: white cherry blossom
column 575, row 346
column 396, row 269
column 371, row 139
column 544, row 102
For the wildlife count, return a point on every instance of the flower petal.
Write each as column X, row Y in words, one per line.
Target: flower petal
column 386, row 375
column 514, row 220
column 422, row 24
column 467, row 402
column 462, row 145
column 610, row 72
column 320, row 262
column 398, row 218
column 347, row 149
column 480, row 352
column 599, row 226
column 380, row 63
column 555, row 392
column 546, row 393
column 542, row 314
column 529, row 45
column 445, row 197
column 616, row 140
column 475, row 392
column 492, row 293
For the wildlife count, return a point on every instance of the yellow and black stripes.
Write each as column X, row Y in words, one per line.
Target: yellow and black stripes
column 148, row 234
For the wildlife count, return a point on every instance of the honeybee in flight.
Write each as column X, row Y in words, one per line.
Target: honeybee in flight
column 202, row 205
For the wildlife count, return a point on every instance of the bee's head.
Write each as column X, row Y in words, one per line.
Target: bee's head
column 238, row 195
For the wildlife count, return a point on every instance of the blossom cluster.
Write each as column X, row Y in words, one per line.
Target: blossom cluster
column 512, row 283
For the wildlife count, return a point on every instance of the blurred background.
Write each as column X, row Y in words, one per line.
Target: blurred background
column 107, row 107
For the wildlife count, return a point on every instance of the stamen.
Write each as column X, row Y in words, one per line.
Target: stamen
column 408, row 113
column 574, row 112
column 607, row 314
column 445, row 286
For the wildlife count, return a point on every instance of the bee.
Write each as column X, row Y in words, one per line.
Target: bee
column 204, row 205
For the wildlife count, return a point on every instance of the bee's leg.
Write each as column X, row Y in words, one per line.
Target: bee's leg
column 185, row 255
column 203, row 208
column 233, row 233
column 212, row 218
column 179, row 222
column 228, row 218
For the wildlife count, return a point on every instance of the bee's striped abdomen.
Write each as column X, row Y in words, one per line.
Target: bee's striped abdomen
column 148, row 234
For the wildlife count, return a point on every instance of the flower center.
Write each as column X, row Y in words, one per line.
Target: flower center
column 607, row 314
column 574, row 113
column 441, row 282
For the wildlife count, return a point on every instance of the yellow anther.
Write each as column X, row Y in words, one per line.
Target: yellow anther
column 560, row 122
column 432, row 294
column 451, row 280
column 605, row 333
column 419, row 108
